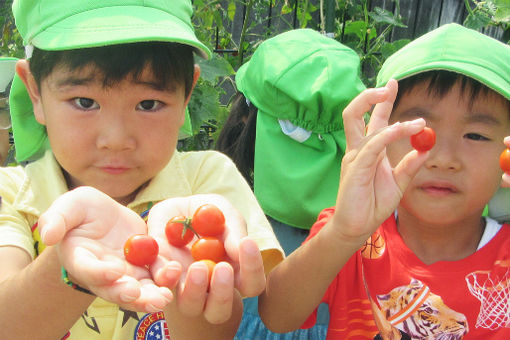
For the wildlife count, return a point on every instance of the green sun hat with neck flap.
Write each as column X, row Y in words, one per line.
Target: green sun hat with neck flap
column 300, row 81
column 455, row 48
column 73, row 24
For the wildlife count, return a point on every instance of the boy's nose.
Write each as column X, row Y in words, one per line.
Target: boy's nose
column 444, row 155
column 115, row 134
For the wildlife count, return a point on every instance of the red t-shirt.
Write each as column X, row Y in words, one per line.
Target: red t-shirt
column 465, row 299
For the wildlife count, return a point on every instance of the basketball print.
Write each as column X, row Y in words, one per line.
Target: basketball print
column 374, row 247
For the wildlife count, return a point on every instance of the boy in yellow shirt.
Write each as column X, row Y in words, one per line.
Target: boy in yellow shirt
column 108, row 84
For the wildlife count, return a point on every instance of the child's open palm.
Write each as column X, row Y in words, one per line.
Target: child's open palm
column 370, row 189
column 90, row 230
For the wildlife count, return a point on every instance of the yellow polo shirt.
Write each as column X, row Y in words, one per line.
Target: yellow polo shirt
column 28, row 192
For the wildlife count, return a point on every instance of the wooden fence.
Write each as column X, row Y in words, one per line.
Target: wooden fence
column 420, row 16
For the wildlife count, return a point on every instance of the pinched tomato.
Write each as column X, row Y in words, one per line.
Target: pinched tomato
column 504, row 160
column 424, row 140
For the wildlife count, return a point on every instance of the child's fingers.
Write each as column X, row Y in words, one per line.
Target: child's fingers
column 52, row 227
column 354, row 124
column 369, row 155
column 218, row 308
column 407, row 168
column 382, row 111
column 505, row 180
column 92, row 271
column 166, row 273
column 191, row 297
column 124, row 292
column 153, row 297
column 251, row 280
column 506, row 140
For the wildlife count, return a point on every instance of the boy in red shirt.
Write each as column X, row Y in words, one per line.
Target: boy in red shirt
column 406, row 253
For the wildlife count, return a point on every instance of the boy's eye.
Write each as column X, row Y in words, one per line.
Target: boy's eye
column 85, row 103
column 476, row 136
column 149, row 105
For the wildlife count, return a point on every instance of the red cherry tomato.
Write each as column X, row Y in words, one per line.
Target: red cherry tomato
column 178, row 231
column 141, row 250
column 208, row 248
column 424, row 140
column 504, row 160
column 208, row 220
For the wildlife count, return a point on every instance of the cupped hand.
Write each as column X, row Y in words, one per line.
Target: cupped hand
column 370, row 188
column 241, row 271
column 90, row 229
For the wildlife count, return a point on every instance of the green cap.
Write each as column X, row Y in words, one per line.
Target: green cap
column 300, row 81
column 71, row 24
column 455, row 48
column 62, row 25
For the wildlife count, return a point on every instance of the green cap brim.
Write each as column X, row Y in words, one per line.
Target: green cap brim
column 455, row 48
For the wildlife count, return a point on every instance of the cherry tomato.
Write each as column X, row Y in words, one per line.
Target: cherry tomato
column 141, row 250
column 178, row 231
column 208, row 248
column 424, row 140
column 504, row 160
column 208, row 220
column 210, row 267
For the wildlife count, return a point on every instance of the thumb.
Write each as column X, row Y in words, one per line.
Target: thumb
column 64, row 214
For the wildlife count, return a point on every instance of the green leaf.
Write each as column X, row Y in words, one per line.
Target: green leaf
column 382, row 16
column 203, row 105
column 231, row 10
column 503, row 11
column 389, row 48
column 286, row 9
column 214, row 68
column 358, row 28
column 477, row 20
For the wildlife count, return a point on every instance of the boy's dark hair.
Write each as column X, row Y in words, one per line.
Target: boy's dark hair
column 237, row 137
column 440, row 82
column 172, row 63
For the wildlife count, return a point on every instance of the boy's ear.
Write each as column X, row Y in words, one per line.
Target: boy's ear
column 23, row 71
column 196, row 75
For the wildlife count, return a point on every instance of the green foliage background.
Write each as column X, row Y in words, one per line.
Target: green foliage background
column 356, row 25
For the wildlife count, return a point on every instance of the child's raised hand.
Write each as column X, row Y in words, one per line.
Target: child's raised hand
column 90, row 229
column 370, row 189
column 242, row 269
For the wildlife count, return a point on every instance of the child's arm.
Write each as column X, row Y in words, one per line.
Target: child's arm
column 36, row 304
column 369, row 191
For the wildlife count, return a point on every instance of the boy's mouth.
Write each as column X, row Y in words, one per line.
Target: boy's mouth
column 114, row 170
column 438, row 189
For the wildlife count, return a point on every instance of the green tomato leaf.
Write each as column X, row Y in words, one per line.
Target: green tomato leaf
column 477, row 20
column 503, row 11
column 389, row 48
column 214, row 68
column 382, row 16
column 358, row 28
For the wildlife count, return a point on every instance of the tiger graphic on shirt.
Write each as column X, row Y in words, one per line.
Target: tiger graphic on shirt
column 422, row 314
